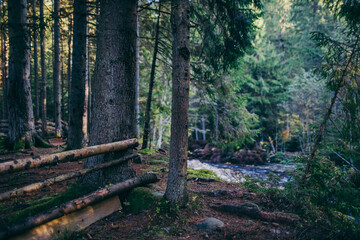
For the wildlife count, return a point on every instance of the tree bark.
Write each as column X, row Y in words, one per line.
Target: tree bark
column 113, row 89
column 151, row 83
column 38, row 185
column 36, row 65
column 78, row 204
column 4, row 70
column 69, row 62
column 76, row 137
column 67, row 156
column 137, row 84
column 56, row 70
column 176, row 191
column 21, row 117
column 43, row 69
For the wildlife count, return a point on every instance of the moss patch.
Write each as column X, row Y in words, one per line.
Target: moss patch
column 147, row 151
column 140, row 199
column 202, row 173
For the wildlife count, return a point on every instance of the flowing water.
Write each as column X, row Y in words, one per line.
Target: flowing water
column 236, row 173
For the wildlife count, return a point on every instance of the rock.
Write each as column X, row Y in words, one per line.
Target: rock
column 158, row 194
column 210, row 224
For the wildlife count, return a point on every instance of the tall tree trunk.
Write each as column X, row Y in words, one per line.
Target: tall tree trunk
column 77, row 95
column 69, row 62
column 21, row 117
column 36, row 67
column 176, row 191
column 4, row 69
column 63, row 112
column 86, row 88
column 137, row 85
column 151, row 84
column 203, row 127
column 43, row 69
column 113, row 89
column 56, row 70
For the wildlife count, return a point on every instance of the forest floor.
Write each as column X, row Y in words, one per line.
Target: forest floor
column 149, row 224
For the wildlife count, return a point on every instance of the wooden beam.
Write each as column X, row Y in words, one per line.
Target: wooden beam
column 35, row 186
column 64, row 226
column 77, row 204
column 67, row 156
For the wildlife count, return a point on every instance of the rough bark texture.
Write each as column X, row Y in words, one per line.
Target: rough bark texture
column 36, row 67
column 137, row 85
column 56, row 69
column 38, row 185
column 113, row 89
column 21, row 117
column 151, row 84
column 69, row 62
column 77, row 95
column 43, row 68
column 78, row 204
column 67, row 156
column 176, row 191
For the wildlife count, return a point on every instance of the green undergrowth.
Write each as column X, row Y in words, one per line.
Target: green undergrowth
column 140, row 199
column 36, row 206
column 2, row 144
column 202, row 173
column 326, row 198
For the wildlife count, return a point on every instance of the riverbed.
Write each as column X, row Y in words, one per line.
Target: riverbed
column 236, row 173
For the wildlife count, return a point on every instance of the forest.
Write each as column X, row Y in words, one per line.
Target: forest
column 178, row 119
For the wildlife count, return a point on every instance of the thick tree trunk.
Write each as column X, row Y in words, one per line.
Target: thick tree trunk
column 176, row 191
column 4, row 71
column 56, row 69
column 48, row 182
column 69, row 62
column 76, row 135
column 78, row 204
column 151, row 83
column 21, row 117
column 43, row 69
column 67, row 156
column 36, row 67
column 86, row 93
column 113, row 89
column 137, row 84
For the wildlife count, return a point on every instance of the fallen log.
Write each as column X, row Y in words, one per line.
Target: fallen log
column 67, row 156
column 253, row 211
column 77, row 204
column 61, row 178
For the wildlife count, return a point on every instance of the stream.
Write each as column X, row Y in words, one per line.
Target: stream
column 236, row 173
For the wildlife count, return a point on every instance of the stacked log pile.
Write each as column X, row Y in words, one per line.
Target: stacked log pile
column 50, row 126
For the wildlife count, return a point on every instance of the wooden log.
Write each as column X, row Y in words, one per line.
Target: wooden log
column 77, row 204
column 61, row 178
column 67, row 156
column 253, row 211
column 63, row 227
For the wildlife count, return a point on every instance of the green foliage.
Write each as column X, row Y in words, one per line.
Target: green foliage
column 326, row 199
column 140, row 199
column 202, row 173
column 45, row 203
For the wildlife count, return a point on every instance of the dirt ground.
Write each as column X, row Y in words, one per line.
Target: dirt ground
column 148, row 224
